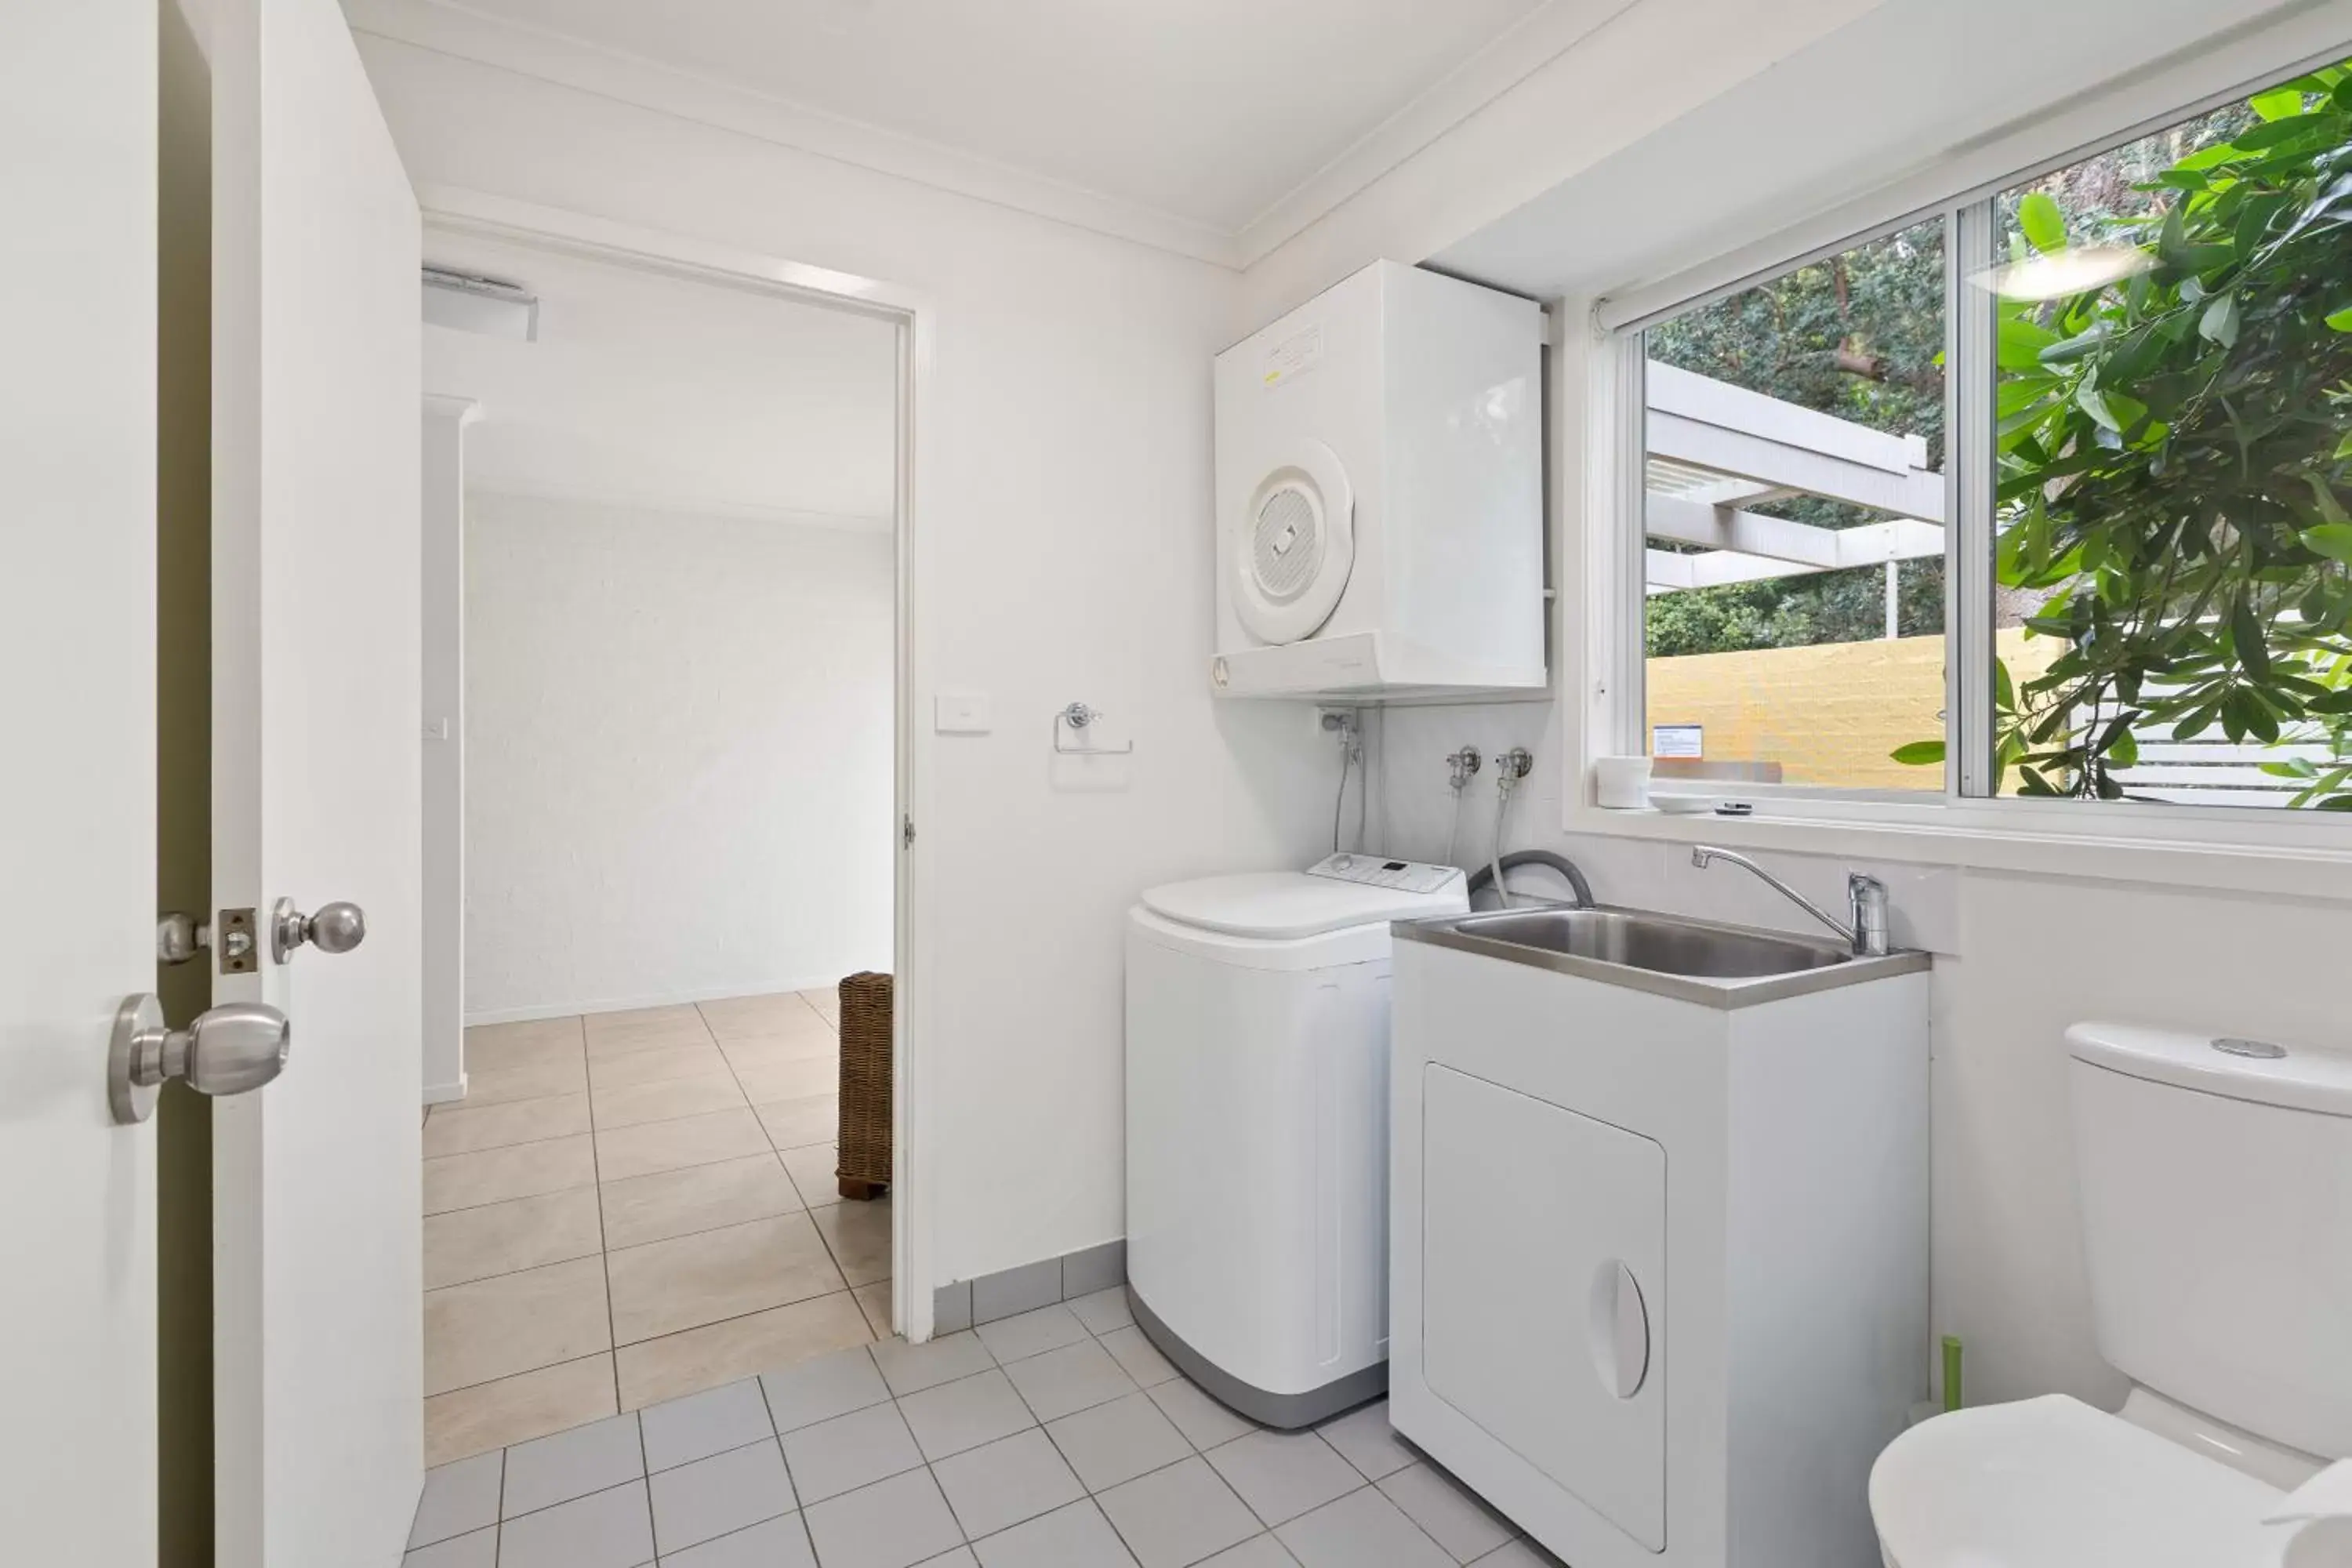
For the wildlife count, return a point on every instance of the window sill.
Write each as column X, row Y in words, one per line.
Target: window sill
column 2306, row 858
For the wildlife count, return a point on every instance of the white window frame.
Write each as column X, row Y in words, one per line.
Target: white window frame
column 2253, row 849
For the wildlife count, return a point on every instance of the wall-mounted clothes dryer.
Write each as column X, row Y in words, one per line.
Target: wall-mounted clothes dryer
column 1380, row 494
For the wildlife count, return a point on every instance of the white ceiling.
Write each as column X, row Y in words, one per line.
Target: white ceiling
column 1781, row 148
column 1236, row 121
column 650, row 390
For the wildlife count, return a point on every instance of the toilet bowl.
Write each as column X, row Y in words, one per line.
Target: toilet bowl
column 2054, row 1483
column 2207, row 1167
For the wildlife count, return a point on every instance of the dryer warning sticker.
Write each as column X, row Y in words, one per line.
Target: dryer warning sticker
column 1293, row 357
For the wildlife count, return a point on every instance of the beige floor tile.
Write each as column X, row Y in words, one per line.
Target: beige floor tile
column 827, row 1003
column 665, row 1287
column 502, row 1238
column 699, row 1058
column 738, row 1016
column 766, row 1050
column 496, row 1046
column 629, row 1104
column 520, row 1171
column 461, row 1128
column 679, row 1364
column 813, row 1171
column 470, row 1421
column 789, row 1080
column 626, row 1019
column 858, row 1234
column 515, row 1322
column 619, row 1034
column 652, row 1146
column 799, row 1123
column 874, row 1300
column 699, row 1197
column 527, row 1080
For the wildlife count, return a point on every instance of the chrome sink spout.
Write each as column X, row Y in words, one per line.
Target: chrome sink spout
column 1865, row 933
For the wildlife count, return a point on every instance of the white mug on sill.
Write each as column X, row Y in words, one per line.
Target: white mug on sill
column 1621, row 783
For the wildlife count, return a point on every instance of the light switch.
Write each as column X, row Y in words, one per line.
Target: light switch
column 960, row 713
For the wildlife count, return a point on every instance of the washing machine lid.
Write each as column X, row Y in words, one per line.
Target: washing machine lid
column 2053, row 1483
column 1286, row 905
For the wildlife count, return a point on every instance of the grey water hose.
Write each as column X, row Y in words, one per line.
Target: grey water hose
column 1486, row 875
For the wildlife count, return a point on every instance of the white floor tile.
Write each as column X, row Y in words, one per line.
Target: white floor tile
column 1000, row 1484
column 1362, row 1529
column 890, row 1524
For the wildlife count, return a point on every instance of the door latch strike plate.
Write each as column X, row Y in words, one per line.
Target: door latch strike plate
column 239, row 953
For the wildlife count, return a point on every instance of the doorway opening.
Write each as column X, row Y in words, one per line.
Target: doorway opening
column 666, row 779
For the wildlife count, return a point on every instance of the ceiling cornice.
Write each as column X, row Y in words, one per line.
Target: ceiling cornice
column 1543, row 36
column 1531, row 42
column 454, row 30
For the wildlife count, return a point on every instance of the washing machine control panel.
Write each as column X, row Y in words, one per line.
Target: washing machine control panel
column 1378, row 872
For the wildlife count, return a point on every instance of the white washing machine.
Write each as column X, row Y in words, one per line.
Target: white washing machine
column 1257, row 1117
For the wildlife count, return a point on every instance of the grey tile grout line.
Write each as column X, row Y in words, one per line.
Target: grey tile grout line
column 1091, row 1495
column 567, row 1361
column 778, row 1155
column 657, row 1339
column 506, row 1518
column 645, row 1461
column 1088, row 1494
column 605, row 1263
column 593, row 1130
column 605, row 1252
column 998, row 1366
column 552, row 1191
column 776, row 1435
column 755, row 1105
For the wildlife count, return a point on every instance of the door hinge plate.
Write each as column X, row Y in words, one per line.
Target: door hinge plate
column 906, row 831
column 239, row 953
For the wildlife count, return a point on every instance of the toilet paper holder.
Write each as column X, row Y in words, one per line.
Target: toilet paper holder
column 1078, row 718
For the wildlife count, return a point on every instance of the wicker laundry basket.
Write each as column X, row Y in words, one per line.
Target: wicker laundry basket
column 864, row 1168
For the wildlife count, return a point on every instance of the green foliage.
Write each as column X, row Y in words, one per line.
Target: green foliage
column 1796, row 612
column 1859, row 335
column 2043, row 225
column 2174, row 461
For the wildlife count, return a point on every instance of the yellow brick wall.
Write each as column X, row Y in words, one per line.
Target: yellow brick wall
column 1828, row 715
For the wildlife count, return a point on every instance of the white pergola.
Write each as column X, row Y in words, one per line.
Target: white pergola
column 1716, row 449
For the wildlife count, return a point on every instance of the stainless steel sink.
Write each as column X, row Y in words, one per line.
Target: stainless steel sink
column 1719, row 966
column 1654, row 942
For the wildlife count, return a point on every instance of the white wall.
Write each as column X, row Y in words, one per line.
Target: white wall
column 2020, row 955
column 679, row 758
column 442, row 583
column 1063, row 552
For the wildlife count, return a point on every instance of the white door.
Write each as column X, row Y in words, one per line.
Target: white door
column 318, row 1373
column 77, row 172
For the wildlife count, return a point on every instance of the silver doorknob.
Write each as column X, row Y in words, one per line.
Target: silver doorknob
column 338, row 927
column 235, row 1046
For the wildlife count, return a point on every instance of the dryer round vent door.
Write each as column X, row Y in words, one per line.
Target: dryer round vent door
column 1297, row 546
